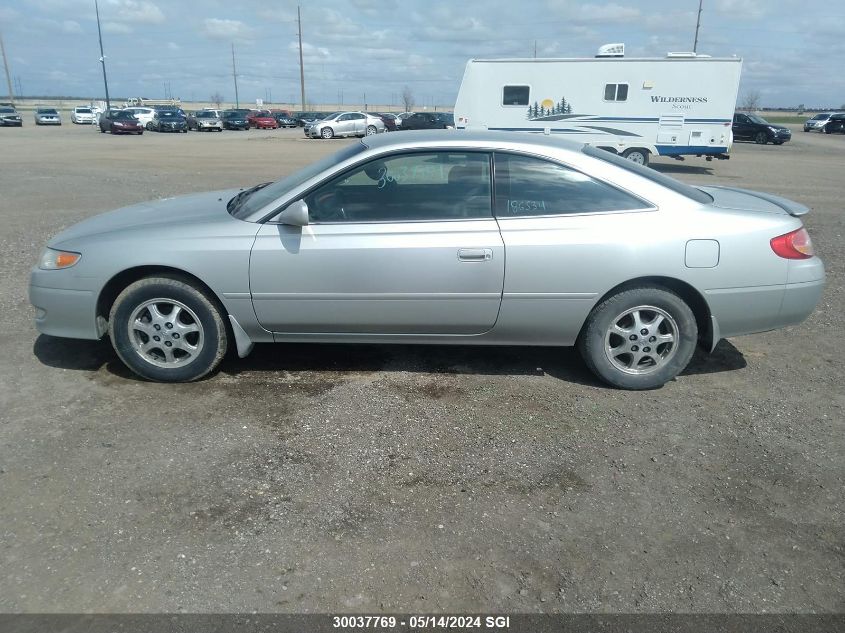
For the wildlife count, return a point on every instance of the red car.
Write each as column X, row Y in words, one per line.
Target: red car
column 262, row 119
column 120, row 122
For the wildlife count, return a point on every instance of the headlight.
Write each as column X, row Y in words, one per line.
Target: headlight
column 773, row 129
column 54, row 260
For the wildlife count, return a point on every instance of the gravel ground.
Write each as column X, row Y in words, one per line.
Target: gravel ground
column 377, row 478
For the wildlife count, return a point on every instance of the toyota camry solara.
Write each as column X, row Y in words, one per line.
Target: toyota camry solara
column 443, row 238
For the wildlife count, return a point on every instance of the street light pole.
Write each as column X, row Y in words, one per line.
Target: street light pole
column 102, row 56
column 697, row 24
column 8, row 76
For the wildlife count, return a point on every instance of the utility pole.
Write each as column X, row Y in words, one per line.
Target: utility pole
column 102, row 57
column 235, row 77
column 301, row 69
column 18, row 86
column 535, row 49
column 697, row 24
column 6, row 65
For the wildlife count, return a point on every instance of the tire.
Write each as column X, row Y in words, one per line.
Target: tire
column 778, row 142
column 327, row 133
column 371, row 130
column 636, row 155
column 198, row 333
column 826, row 129
column 605, row 348
column 761, row 138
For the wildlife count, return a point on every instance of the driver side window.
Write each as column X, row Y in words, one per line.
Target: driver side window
column 413, row 187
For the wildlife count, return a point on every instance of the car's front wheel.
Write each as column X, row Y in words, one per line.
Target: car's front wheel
column 327, row 132
column 761, row 138
column 639, row 338
column 168, row 330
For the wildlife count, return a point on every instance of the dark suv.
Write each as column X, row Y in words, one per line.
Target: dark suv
column 428, row 121
column 750, row 127
column 836, row 123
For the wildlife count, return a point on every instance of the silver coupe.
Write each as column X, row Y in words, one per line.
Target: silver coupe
column 443, row 238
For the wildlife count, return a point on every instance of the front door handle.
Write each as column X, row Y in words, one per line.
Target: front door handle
column 475, row 254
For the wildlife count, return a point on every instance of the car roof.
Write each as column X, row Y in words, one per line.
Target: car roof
column 470, row 138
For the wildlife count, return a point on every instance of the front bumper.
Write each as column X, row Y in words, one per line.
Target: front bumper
column 10, row 122
column 63, row 312
column 782, row 135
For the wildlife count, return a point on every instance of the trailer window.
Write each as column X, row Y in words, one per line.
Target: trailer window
column 515, row 95
column 616, row 92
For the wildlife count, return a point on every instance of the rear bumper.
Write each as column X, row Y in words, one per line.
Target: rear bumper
column 761, row 308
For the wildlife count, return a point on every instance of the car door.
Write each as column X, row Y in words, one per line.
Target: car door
column 563, row 234
column 742, row 127
column 358, row 123
column 343, row 125
column 405, row 244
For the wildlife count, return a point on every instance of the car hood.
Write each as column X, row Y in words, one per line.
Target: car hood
column 747, row 200
column 174, row 213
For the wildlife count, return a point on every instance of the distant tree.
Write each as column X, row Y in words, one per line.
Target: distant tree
column 530, row 113
column 216, row 99
column 751, row 101
column 407, row 99
column 536, row 110
column 562, row 106
column 568, row 108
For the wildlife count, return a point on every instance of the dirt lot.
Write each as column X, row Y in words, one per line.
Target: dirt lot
column 365, row 478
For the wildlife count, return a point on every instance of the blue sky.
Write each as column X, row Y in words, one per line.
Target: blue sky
column 375, row 48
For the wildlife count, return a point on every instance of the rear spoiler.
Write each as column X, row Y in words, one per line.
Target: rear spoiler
column 789, row 206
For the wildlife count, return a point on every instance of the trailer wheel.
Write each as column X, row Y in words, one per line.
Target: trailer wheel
column 636, row 155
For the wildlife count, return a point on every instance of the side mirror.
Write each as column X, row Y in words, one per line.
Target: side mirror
column 295, row 214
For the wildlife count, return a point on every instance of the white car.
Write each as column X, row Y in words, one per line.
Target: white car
column 144, row 115
column 82, row 114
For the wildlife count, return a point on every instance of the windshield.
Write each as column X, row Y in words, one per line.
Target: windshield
column 46, row 111
column 123, row 116
column 820, row 116
column 758, row 119
column 6, row 110
column 266, row 195
column 233, row 115
column 647, row 172
column 169, row 115
column 84, row 110
column 206, row 115
column 329, row 117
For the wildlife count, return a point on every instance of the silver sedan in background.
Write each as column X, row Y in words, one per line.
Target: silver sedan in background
column 345, row 124
column 442, row 238
column 47, row 116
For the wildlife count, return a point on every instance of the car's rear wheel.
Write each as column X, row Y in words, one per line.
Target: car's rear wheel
column 636, row 155
column 761, row 138
column 639, row 338
column 371, row 129
column 168, row 330
column 327, row 132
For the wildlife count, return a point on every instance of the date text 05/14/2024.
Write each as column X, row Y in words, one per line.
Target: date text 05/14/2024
column 375, row 622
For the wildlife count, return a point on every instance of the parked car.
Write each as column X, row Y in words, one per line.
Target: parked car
column 120, row 122
column 388, row 119
column 429, row 121
column 235, row 120
column 169, row 120
column 284, row 120
column 143, row 114
column 521, row 239
column 9, row 117
column 752, row 127
column 401, row 117
column 82, row 114
column 205, row 120
column 304, row 118
column 345, row 124
column 47, row 116
column 262, row 119
column 836, row 123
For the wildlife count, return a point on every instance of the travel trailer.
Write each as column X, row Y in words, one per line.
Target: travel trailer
column 681, row 104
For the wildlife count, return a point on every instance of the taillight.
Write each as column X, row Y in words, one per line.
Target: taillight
column 794, row 245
